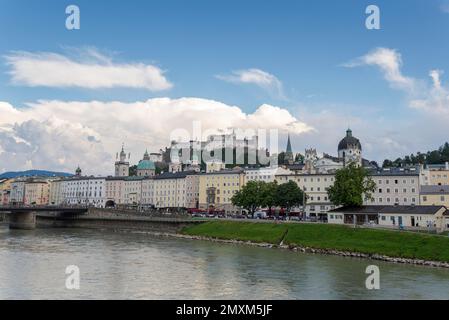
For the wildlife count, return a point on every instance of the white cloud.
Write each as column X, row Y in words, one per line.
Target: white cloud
column 256, row 77
column 390, row 62
column 91, row 70
column 60, row 135
column 432, row 97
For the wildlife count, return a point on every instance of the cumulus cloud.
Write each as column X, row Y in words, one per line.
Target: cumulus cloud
column 91, row 70
column 60, row 134
column 256, row 77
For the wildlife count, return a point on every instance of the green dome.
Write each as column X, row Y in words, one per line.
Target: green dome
column 146, row 165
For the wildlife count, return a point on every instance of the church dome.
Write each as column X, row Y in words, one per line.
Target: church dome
column 349, row 142
column 146, row 165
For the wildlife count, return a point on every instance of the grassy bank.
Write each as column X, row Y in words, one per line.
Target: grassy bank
column 326, row 236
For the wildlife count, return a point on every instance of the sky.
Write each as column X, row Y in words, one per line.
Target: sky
column 137, row 71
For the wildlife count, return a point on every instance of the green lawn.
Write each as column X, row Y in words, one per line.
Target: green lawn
column 327, row 236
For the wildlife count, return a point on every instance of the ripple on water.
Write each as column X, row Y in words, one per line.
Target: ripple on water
column 124, row 265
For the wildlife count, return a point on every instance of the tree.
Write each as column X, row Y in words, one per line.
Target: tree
column 387, row 163
column 289, row 195
column 299, row 158
column 250, row 196
column 269, row 193
column 133, row 170
column 281, row 158
column 351, row 184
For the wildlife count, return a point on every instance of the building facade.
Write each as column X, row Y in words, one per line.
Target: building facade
column 435, row 195
column 86, row 191
column 17, row 193
column 217, row 188
column 395, row 186
column 37, row 192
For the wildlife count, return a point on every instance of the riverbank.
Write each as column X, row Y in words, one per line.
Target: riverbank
column 385, row 245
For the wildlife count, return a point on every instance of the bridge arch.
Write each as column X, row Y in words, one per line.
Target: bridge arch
column 110, row 204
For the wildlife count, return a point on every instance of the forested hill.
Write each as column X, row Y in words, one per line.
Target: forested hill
column 441, row 155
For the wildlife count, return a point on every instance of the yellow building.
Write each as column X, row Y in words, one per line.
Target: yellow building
column 5, row 190
column 37, row 192
column 217, row 188
column 435, row 195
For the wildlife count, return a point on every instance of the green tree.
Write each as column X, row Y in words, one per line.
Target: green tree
column 133, row 170
column 269, row 193
column 289, row 195
column 299, row 158
column 250, row 197
column 351, row 184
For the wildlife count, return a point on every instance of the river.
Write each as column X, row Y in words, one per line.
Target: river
column 131, row 265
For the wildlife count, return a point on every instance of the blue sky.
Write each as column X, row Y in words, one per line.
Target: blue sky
column 303, row 44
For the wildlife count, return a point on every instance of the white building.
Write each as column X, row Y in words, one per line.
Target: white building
column 265, row 174
column 17, row 195
column 413, row 217
column 89, row 191
column 395, row 186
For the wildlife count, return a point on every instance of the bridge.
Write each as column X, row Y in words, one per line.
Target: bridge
column 24, row 217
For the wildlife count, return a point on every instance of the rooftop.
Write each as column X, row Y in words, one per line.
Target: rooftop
column 434, row 189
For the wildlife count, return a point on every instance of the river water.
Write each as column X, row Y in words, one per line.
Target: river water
column 130, row 265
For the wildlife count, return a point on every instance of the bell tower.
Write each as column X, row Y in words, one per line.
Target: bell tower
column 121, row 165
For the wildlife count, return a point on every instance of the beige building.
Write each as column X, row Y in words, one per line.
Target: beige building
column 435, row 195
column 5, row 191
column 56, row 192
column 170, row 190
column 217, row 188
column 133, row 190
column 437, row 174
column 147, row 199
column 115, row 191
column 37, row 192
column 315, row 187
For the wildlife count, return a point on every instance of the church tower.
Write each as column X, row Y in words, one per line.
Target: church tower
column 350, row 149
column 288, row 159
column 121, row 165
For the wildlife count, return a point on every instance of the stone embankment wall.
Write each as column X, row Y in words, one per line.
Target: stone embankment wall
column 117, row 219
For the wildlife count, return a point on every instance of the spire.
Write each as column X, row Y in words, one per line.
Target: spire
column 289, row 145
column 122, row 153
